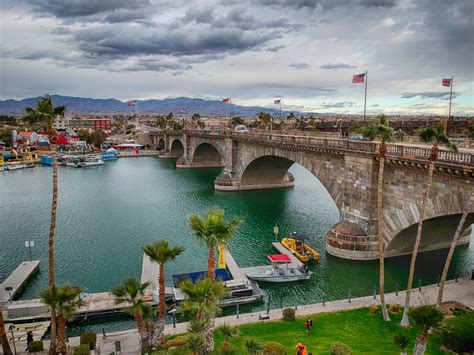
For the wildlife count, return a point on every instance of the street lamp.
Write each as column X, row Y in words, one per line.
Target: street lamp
column 13, row 339
column 29, row 244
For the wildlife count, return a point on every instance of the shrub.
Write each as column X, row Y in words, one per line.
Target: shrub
column 457, row 311
column 289, row 315
column 394, row 308
column 457, row 333
column 89, row 338
column 35, row 346
column 228, row 351
column 175, row 342
column 253, row 346
column 374, row 309
column 82, row 349
column 274, row 348
column 339, row 348
column 401, row 340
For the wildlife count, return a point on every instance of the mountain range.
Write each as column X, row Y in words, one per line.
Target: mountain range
column 180, row 105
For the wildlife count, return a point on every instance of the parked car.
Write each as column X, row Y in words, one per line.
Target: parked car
column 241, row 128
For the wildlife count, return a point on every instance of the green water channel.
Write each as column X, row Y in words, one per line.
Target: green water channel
column 105, row 214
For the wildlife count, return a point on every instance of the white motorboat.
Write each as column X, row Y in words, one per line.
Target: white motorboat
column 19, row 167
column 280, row 271
column 93, row 161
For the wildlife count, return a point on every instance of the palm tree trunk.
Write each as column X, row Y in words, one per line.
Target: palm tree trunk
column 211, row 264
column 405, row 322
column 380, row 226
column 159, row 329
column 454, row 243
column 52, row 230
column 3, row 336
column 420, row 345
column 142, row 332
column 61, row 338
column 209, row 336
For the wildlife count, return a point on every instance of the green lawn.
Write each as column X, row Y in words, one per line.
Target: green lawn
column 365, row 333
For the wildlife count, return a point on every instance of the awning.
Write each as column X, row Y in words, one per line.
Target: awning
column 279, row 258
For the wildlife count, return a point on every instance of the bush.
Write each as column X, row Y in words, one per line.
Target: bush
column 457, row 333
column 81, row 349
column 339, row 348
column 274, row 348
column 35, row 346
column 228, row 351
column 89, row 338
column 401, row 340
column 374, row 309
column 289, row 315
column 394, row 308
column 175, row 342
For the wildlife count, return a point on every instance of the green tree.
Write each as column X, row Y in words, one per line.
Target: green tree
column 470, row 130
column 213, row 230
column 161, row 253
column 98, row 137
column 401, row 340
column 380, row 130
column 45, row 114
column 201, row 304
column 426, row 318
column 132, row 293
column 195, row 343
column 84, row 135
column 228, row 332
column 64, row 300
column 454, row 243
column 436, row 137
column 6, row 136
column 264, row 118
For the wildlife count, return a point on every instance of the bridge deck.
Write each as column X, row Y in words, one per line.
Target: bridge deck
column 17, row 279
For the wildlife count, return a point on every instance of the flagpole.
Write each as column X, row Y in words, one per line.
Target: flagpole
column 365, row 96
column 450, row 98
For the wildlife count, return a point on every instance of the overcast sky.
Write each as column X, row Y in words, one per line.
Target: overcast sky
column 302, row 51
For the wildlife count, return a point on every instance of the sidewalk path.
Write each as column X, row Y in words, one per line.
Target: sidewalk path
column 462, row 291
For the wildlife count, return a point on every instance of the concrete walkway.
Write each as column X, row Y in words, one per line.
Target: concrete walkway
column 462, row 291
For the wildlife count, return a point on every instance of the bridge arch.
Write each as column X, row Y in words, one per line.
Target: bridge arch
column 161, row 144
column 176, row 148
column 207, row 154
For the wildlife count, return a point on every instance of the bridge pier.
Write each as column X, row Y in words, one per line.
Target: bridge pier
column 225, row 182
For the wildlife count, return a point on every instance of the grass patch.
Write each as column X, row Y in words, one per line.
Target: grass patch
column 365, row 333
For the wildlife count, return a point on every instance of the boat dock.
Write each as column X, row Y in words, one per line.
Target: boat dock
column 150, row 272
column 17, row 279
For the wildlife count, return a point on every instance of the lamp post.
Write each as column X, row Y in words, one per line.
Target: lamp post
column 276, row 230
column 29, row 244
column 13, row 339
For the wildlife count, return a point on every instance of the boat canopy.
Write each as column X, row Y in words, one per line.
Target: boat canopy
column 279, row 258
column 298, row 236
column 221, row 274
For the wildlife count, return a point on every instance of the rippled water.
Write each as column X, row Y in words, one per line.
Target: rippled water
column 107, row 213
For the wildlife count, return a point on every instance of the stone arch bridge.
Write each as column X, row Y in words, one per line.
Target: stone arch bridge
column 349, row 172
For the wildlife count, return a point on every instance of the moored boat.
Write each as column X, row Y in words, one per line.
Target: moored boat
column 280, row 271
column 46, row 160
column 92, row 161
column 295, row 243
column 18, row 167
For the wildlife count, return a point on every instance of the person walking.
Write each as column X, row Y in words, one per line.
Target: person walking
column 29, row 339
column 300, row 349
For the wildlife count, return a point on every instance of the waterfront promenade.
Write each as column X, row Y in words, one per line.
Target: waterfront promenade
column 461, row 291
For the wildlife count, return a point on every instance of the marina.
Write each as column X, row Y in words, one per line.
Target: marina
column 17, row 279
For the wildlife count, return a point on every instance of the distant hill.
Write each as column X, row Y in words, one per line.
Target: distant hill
column 82, row 105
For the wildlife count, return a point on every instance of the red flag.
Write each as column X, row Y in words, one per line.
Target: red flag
column 358, row 79
column 446, row 82
column 132, row 103
column 226, row 100
column 276, row 102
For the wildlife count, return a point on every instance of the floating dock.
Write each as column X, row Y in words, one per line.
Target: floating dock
column 17, row 279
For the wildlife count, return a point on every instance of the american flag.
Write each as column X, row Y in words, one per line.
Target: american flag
column 132, row 103
column 276, row 102
column 446, row 82
column 358, row 79
column 226, row 100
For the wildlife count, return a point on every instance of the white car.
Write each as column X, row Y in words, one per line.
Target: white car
column 241, row 129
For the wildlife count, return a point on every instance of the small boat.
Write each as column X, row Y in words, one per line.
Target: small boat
column 109, row 154
column 92, row 161
column 280, row 271
column 46, row 160
column 296, row 245
column 19, row 167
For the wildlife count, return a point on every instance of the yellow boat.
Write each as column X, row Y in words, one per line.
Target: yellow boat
column 295, row 244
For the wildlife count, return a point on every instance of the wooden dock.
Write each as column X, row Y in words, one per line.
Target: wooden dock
column 17, row 280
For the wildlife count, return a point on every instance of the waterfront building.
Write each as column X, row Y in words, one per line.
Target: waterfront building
column 87, row 123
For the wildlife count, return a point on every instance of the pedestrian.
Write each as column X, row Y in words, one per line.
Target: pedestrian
column 29, row 339
column 300, row 349
column 307, row 326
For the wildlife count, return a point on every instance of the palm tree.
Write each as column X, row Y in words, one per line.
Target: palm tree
column 201, row 304
column 382, row 131
column 454, row 243
column 213, row 230
column 65, row 300
column 435, row 136
column 228, row 332
column 161, row 253
column 132, row 292
column 195, row 343
column 253, row 346
column 425, row 317
column 46, row 113
column 3, row 336
column 401, row 340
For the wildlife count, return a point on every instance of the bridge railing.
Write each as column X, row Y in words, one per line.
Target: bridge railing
column 403, row 151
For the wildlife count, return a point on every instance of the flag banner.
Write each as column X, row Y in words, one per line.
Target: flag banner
column 221, row 257
column 358, row 79
column 183, row 110
column 226, row 100
column 446, row 82
column 276, row 102
column 132, row 103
